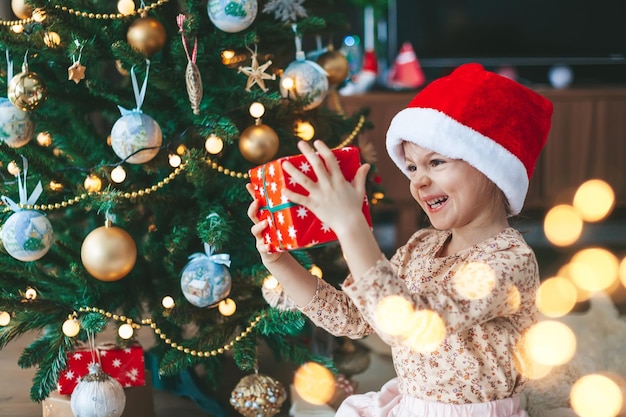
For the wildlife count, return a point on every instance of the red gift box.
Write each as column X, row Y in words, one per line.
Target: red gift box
column 292, row 226
column 126, row 365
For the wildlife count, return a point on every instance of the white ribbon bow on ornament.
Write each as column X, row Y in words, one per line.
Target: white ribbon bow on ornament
column 25, row 200
column 219, row 258
column 140, row 95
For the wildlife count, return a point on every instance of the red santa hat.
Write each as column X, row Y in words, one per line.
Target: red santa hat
column 492, row 122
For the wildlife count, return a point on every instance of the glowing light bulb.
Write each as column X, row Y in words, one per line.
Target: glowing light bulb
column 5, row 318
column 287, row 83
column 174, row 160
column 305, row 130
column 13, row 169
column 118, row 174
column 93, row 183
column 257, row 110
column 126, row 7
column 125, row 331
column 270, row 282
column 214, row 144
column 51, row 39
column 227, row 307
column 55, row 185
column 44, row 139
column 30, row 294
column 39, row 15
column 181, row 149
column 317, row 271
column 17, row 28
column 168, row 302
column 71, row 327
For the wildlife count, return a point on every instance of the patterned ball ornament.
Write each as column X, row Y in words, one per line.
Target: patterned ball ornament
column 26, row 90
column 232, row 16
column 108, row 253
column 16, row 127
column 258, row 396
column 98, row 395
column 133, row 132
column 205, row 280
column 27, row 235
column 305, row 79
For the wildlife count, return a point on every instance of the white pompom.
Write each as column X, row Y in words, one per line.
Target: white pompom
column 98, row 395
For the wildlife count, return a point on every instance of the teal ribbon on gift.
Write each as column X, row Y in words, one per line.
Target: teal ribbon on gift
column 274, row 209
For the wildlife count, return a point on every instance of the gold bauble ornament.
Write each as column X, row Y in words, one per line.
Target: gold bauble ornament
column 108, row 253
column 26, row 90
column 258, row 143
column 146, row 35
column 336, row 65
column 21, row 9
column 258, row 395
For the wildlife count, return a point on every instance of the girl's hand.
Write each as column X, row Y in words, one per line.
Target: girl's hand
column 331, row 198
column 257, row 229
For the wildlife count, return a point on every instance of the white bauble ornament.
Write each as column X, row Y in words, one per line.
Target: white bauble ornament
column 305, row 79
column 27, row 235
column 98, row 395
column 204, row 282
column 232, row 16
column 16, row 127
column 133, row 132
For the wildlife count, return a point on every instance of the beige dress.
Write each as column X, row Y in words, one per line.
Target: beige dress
column 485, row 296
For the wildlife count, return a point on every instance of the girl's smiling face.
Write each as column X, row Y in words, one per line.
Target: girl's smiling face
column 453, row 194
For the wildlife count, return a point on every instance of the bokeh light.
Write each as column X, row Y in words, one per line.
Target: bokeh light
column 270, row 282
column 305, row 130
column 428, row 332
column 562, row 225
column 596, row 395
column 594, row 269
column 314, row 383
column 168, row 302
column 214, row 144
column 556, row 297
column 550, row 343
column 594, row 200
column 474, row 280
column 317, row 271
column 394, row 315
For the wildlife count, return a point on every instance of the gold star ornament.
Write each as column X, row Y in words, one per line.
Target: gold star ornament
column 256, row 73
column 76, row 72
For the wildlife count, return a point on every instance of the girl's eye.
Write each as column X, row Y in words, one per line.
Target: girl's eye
column 411, row 168
column 437, row 162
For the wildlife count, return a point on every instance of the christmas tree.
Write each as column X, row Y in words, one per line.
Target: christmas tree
column 126, row 136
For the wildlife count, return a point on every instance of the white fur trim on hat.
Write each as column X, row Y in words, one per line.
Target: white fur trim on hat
column 434, row 130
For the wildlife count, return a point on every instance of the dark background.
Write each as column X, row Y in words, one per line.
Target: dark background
column 529, row 35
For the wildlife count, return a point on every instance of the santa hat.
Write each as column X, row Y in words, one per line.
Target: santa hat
column 494, row 123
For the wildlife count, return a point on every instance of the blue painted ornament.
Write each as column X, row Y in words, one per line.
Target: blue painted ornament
column 232, row 15
column 205, row 280
column 26, row 235
column 16, row 127
column 136, row 137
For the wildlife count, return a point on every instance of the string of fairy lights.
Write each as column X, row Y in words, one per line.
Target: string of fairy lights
column 93, row 184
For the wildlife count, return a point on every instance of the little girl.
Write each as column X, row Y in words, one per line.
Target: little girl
column 468, row 143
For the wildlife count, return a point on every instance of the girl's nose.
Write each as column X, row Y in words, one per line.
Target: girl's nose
column 420, row 179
